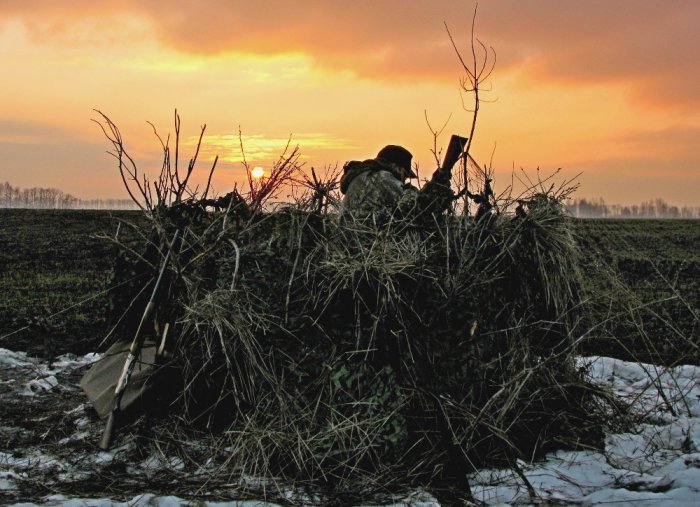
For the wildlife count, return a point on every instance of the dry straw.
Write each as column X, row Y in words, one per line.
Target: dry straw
column 328, row 353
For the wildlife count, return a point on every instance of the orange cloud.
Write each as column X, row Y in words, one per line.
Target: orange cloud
column 26, row 132
column 679, row 144
column 571, row 76
column 652, row 45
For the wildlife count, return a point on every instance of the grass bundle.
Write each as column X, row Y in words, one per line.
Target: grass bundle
column 355, row 357
column 358, row 360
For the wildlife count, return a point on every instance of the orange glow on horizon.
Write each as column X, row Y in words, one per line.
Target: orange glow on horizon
column 596, row 97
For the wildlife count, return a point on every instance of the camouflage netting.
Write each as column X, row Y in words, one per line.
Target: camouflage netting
column 358, row 358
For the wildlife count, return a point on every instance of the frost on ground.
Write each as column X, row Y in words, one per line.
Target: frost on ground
column 47, row 443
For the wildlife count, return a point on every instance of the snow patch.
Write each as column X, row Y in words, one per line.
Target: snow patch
column 11, row 359
column 44, row 375
column 39, row 384
column 656, row 463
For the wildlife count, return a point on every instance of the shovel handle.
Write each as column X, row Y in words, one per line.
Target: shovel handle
column 107, row 434
column 134, row 352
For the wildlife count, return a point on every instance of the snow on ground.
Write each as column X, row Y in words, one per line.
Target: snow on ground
column 44, row 375
column 657, row 464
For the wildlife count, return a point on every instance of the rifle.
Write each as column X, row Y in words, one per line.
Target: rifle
column 437, row 196
column 454, row 151
column 133, row 355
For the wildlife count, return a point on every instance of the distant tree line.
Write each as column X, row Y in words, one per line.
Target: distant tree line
column 52, row 198
column 654, row 208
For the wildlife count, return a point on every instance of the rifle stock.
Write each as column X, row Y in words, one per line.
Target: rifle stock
column 133, row 355
column 454, row 150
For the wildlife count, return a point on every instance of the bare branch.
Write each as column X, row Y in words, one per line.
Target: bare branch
column 211, row 173
column 127, row 167
column 177, row 147
column 483, row 61
column 436, row 133
column 169, row 187
column 190, row 167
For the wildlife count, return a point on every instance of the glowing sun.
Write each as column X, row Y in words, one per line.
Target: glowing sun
column 257, row 172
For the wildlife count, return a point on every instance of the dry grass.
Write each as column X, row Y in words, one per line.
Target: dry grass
column 360, row 361
column 358, row 358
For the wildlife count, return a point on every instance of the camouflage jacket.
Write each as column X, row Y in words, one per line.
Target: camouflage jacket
column 372, row 187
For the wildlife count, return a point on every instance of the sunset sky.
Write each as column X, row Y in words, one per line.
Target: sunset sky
column 607, row 88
